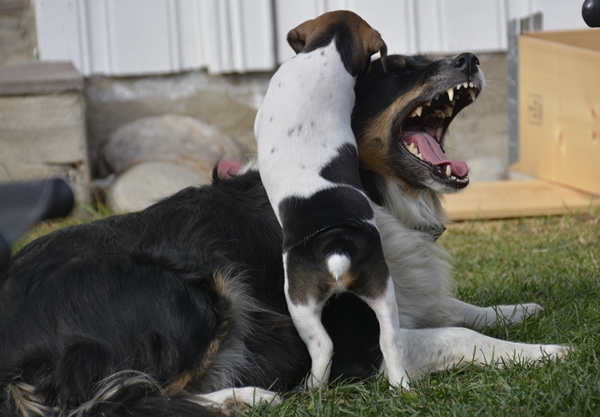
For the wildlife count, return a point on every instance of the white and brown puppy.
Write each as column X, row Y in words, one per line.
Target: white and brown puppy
column 308, row 162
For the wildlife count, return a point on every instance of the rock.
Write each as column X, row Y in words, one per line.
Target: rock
column 226, row 102
column 184, row 139
column 144, row 184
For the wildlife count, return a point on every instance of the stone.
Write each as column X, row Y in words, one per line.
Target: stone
column 227, row 102
column 18, row 37
column 144, row 184
column 170, row 137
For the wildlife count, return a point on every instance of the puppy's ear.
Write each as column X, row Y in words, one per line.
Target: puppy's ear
column 376, row 44
column 297, row 36
column 383, row 54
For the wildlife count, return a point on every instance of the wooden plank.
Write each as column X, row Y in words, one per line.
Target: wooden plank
column 505, row 199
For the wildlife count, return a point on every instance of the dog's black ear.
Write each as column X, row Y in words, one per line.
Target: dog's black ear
column 297, row 36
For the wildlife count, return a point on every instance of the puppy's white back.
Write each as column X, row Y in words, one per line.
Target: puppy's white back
column 304, row 119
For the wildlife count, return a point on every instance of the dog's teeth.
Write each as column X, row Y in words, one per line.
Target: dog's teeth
column 458, row 86
column 416, row 112
column 472, row 93
column 420, row 157
column 440, row 114
column 448, row 170
column 471, row 84
column 465, row 84
column 453, row 102
column 450, row 92
column 449, row 111
column 412, row 148
column 428, row 103
column 437, row 97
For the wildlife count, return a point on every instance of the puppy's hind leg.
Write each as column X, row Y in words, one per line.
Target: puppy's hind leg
column 306, row 316
column 307, row 319
column 390, row 340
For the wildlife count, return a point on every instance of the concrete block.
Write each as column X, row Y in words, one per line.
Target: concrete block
column 18, row 37
column 43, row 135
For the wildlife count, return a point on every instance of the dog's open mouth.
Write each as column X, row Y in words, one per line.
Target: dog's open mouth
column 422, row 130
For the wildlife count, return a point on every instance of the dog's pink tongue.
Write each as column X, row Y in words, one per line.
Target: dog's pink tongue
column 432, row 153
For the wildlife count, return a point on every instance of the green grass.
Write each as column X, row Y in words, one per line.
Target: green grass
column 553, row 261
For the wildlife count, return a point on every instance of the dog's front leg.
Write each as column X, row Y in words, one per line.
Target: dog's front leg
column 431, row 350
column 479, row 317
column 390, row 339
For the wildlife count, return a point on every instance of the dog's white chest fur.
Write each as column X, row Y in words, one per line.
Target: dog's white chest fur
column 304, row 119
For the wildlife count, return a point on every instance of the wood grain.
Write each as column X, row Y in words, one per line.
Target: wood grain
column 559, row 110
column 505, row 199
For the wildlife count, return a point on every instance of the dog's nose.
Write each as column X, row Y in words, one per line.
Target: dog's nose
column 466, row 62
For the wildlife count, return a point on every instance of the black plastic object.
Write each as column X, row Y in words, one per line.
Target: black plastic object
column 591, row 13
column 23, row 204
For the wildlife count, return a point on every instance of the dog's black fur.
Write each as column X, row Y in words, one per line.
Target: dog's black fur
column 151, row 291
column 188, row 292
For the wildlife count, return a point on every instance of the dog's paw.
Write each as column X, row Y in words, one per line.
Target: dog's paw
column 555, row 351
column 535, row 353
column 515, row 314
column 232, row 400
column 523, row 312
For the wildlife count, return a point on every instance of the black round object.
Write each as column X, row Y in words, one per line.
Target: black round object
column 591, row 13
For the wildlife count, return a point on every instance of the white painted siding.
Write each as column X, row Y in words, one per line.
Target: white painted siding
column 136, row 37
column 131, row 37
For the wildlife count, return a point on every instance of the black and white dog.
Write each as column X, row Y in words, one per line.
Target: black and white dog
column 308, row 163
column 181, row 307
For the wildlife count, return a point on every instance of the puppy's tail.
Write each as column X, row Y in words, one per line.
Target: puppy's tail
column 338, row 264
column 126, row 393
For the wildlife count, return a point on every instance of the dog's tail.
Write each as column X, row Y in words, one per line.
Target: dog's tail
column 126, row 393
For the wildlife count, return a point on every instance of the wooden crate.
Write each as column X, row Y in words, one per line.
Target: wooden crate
column 559, row 107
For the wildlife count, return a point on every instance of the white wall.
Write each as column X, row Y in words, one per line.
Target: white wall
column 135, row 37
column 131, row 37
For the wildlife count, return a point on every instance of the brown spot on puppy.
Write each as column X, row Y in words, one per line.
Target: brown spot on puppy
column 356, row 54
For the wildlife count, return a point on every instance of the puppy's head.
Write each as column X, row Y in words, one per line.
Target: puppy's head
column 356, row 41
column 401, row 116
